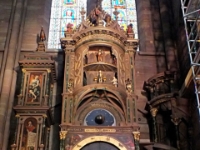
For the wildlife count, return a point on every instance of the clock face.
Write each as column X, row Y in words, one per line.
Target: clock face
column 99, row 117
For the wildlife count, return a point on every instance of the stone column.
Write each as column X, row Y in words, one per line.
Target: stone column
column 165, row 12
column 145, row 26
column 9, row 79
column 62, row 139
column 176, row 122
column 153, row 114
column 136, row 135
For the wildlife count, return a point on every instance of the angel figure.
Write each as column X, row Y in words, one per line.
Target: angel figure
column 114, row 81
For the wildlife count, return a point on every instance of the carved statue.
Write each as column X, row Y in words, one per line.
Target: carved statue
column 108, row 20
column 100, row 56
column 100, row 78
column 130, row 28
column 114, row 59
column 114, row 81
column 42, row 35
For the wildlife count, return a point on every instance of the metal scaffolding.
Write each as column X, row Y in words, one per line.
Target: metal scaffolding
column 191, row 15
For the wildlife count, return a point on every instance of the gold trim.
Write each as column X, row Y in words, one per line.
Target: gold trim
column 106, row 139
column 100, row 130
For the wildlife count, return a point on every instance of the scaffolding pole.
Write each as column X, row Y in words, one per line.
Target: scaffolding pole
column 191, row 16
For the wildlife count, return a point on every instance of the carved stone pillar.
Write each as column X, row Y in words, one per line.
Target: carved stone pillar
column 136, row 135
column 176, row 122
column 62, row 139
column 153, row 114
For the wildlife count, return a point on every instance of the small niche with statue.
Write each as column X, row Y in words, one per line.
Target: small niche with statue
column 100, row 66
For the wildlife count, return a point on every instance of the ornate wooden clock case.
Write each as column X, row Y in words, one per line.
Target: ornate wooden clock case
column 98, row 105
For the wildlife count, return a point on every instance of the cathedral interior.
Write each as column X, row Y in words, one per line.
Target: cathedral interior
column 99, row 75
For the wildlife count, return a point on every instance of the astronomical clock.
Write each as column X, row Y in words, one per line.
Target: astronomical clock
column 98, row 104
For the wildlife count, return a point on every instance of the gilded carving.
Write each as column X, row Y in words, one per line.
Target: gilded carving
column 136, row 135
column 23, row 70
column 63, row 134
column 154, row 111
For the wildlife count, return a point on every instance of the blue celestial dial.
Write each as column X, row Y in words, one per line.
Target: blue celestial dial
column 99, row 117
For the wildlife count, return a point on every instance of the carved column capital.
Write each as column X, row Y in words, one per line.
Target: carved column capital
column 136, row 135
column 176, row 120
column 154, row 111
column 49, row 70
column 17, row 115
column 24, row 70
column 63, row 135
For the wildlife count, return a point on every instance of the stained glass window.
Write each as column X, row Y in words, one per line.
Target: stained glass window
column 68, row 11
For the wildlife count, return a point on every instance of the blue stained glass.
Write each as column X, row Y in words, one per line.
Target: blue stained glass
column 68, row 11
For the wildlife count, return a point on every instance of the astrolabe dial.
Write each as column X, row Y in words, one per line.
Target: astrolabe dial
column 99, row 117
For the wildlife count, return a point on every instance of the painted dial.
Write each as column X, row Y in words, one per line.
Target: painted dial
column 99, row 117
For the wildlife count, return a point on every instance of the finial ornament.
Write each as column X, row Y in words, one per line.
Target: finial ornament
column 116, row 13
column 40, row 40
column 82, row 13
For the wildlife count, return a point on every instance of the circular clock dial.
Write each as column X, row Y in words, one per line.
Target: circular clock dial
column 99, row 117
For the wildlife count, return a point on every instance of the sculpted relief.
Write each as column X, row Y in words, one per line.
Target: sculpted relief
column 77, row 69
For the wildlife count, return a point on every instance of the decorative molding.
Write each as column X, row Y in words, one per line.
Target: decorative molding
column 106, row 139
